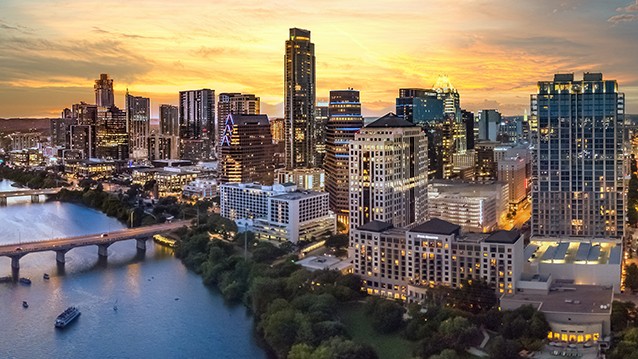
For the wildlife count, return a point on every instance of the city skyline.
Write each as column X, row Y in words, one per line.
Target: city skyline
column 486, row 49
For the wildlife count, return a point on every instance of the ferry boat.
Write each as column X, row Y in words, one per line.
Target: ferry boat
column 67, row 317
column 26, row 281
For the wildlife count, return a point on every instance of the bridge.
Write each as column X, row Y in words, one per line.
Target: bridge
column 34, row 193
column 102, row 240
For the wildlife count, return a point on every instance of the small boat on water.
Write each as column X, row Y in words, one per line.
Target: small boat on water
column 67, row 317
column 46, row 276
column 6, row 279
column 26, row 281
column 25, row 304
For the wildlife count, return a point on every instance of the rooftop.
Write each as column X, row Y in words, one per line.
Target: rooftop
column 324, row 262
column 437, row 226
column 573, row 250
column 569, row 298
column 503, row 236
column 390, row 120
column 376, row 226
column 240, row 119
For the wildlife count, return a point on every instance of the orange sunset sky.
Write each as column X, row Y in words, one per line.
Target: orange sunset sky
column 494, row 52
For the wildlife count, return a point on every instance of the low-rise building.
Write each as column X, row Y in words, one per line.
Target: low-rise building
column 314, row 263
column 201, row 189
column 575, row 313
column 26, row 157
column 169, row 180
column 312, row 179
column 476, row 207
column 279, row 212
column 95, row 168
column 402, row 264
column 25, row 140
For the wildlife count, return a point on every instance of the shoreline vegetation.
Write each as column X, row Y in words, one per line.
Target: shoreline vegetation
column 33, row 179
column 300, row 314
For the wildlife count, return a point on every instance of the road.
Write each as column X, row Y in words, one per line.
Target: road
column 522, row 215
column 91, row 239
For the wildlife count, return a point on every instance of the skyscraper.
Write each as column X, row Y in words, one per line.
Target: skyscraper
column 247, row 149
column 321, row 119
column 344, row 120
column 299, row 100
column 468, row 119
column 196, row 119
column 104, row 91
column 578, row 172
column 243, row 104
column 388, row 173
column 489, row 122
column 138, row 118
column 169, row 120
column 111, row 134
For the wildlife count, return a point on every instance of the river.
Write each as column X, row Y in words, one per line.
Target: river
column 163, row 310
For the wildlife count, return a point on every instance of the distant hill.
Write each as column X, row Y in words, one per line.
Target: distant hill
column 8, row 125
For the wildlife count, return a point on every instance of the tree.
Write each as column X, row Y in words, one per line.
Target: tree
column 284, row 328
column 337, row 241
column 387, row 316
column 446, row 354
column 501, row 348
column 631, row 277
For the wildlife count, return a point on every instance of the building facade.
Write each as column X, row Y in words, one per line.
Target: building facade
column 138, row 117
column 111, row 135
column 343, row 122
column 388, row 173
column 404, row 263
column 299, row 100
column 312, row 179
column 196, row 120
column 169, row 120
column 237, row 103
column 104, row 95
column 578, row 163
column 246, row 150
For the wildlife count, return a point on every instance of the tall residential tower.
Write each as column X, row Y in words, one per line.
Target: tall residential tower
column 138, row 118
column 299, row 100
column 578, row 171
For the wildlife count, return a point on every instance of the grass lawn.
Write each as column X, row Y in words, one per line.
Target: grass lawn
column 359, row 325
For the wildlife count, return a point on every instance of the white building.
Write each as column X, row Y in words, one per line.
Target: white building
column 279, row 212
column 403, row 263
column 201, row 188
column 476, row 207
column 388, row 173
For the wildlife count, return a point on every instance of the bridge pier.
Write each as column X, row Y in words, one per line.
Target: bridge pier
column 60, row 256
column 141, row 243
column 35, row 198
column 3, row 201
column 15, row 262
column 103, row 249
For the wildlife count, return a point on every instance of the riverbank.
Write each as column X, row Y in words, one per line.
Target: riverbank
column 295, row 311
column 31, row 178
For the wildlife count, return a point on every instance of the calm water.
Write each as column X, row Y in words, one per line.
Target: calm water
column 164, row 311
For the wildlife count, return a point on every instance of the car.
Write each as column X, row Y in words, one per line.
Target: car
column 104, row 235
column 19, row 249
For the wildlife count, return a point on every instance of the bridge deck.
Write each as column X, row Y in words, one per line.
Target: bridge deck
column 29, row 192
column 22, row 248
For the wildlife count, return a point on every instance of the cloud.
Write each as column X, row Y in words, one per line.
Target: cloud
column 617, row 19
column 629, row 8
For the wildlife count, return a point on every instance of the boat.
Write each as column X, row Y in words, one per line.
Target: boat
column 67, row 317
column 25, row 304
column 6, row 279
column 46, row 276
column 26, row 281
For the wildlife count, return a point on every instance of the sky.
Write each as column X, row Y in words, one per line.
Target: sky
column 494, row 52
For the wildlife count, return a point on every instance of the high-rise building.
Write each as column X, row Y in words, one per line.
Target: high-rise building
column 247, row 150
column 388, row 173
column 81, row 141
column 438, row 111
column 162, row 147
column 277, row 129
column 60, row 131
column 196, row 119
column 138, row 117
column 104, row 91
column 227, row 103
column 299, row 100
column 344, row 120
column 578, row 164
column 489, row 122
column 111, row 134
column 468, row 119
column 169, row 120
column 321, row 119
